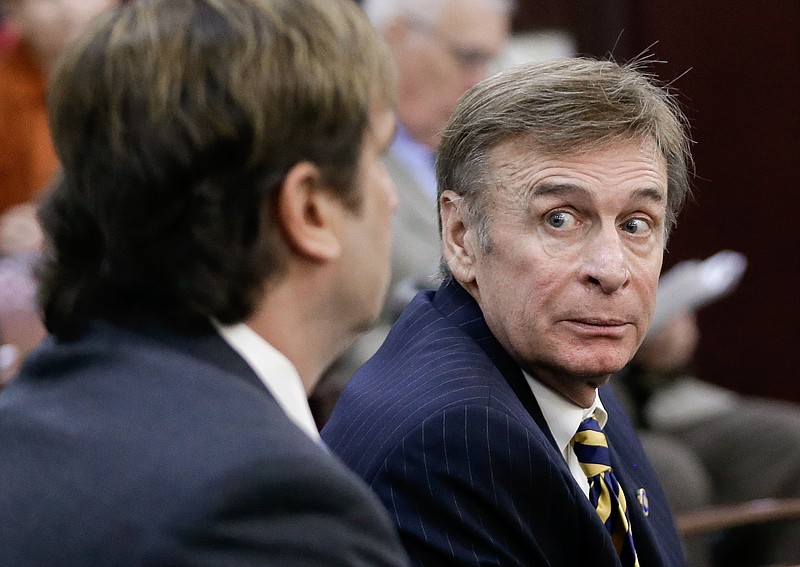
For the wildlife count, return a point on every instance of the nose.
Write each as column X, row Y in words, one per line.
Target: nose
column 605, row 264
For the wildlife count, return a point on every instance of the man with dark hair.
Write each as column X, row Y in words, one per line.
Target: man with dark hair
column 484, row 422
column 219, row 235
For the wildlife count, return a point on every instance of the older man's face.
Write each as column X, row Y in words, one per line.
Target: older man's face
column 568, row 285
column 437, row 61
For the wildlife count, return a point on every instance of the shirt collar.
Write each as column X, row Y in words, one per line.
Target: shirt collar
column 563, row 416
column 276, row 372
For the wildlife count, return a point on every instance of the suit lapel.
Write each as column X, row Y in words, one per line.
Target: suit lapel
column 454, row 302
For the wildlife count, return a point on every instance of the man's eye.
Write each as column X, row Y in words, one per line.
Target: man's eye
column 636, row 226
column 560, row 219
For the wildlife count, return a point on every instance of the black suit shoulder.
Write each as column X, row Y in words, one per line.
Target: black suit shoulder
column 132, row 448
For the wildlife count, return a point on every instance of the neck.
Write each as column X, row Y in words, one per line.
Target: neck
column 578, row 390
column 295, row 318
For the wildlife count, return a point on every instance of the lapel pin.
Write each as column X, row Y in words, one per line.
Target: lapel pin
column 641, row 496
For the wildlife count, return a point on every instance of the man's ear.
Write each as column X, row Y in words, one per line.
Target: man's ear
column 458, row 241
column 309, row 214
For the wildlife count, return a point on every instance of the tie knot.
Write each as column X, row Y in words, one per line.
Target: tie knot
column 591, row 448
column 591, row 424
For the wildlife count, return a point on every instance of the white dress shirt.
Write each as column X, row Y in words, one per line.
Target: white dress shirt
column 563, row 418
column 276, row 372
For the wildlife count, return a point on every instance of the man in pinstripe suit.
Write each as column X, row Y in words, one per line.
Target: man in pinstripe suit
column 558, row 186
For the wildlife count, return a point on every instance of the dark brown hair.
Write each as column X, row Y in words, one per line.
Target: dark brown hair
column 176, row 121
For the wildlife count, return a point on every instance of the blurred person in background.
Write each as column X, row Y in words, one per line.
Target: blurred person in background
column 710, row 445
column 440, row 49
column 35, row 33
column 27, row 160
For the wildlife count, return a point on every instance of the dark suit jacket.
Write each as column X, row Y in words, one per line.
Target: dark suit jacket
column 148, row 447
column 443, row 426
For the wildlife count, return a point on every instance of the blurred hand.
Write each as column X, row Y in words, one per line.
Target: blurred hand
column 21, row 327
column 9, row 360
column 20, row 231
column 670, row 347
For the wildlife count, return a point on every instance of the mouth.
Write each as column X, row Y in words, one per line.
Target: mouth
column 600, row 321
column 600, row 326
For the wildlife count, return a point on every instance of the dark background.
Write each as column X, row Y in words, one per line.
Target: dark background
column 736, row 67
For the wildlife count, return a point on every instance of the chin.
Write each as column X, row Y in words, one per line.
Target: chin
column 605, row 360
column 597, row 370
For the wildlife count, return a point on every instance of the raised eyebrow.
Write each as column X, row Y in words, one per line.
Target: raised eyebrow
column 558, row 189
column 545, row 189
column 651, row 194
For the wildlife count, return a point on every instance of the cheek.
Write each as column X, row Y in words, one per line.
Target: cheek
column 651, row 281
column 382, row 208
column 545, row 296
column 646, row 270
column 523, row 285
column 443, row 87
column 646, row 294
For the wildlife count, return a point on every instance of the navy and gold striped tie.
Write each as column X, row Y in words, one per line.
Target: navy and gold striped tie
column 605, row 494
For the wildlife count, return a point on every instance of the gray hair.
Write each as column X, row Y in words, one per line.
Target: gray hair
column 562, row 106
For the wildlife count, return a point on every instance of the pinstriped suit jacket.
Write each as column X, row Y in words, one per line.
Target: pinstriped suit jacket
column 442, row 425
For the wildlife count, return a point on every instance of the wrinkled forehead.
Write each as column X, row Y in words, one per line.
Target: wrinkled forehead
column 518, row 164
column 524, row 149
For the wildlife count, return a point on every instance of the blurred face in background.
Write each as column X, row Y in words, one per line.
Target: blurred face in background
column 47, row 25
column 439, row 57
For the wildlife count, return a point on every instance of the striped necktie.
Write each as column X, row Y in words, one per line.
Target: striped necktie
column 605, row 494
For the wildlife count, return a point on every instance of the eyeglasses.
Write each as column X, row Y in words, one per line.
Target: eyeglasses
column 467, row 58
